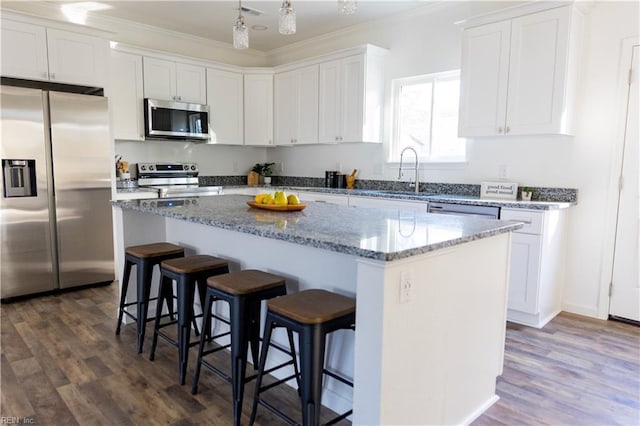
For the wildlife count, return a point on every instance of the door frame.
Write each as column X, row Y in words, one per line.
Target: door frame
column 615, row 167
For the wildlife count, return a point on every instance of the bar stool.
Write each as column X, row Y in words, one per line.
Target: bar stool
column 243, row 291
column 187, row 272
column 312, row 314
column 144, row 257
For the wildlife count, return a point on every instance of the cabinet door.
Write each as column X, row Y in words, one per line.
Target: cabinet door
column 258, row 109
column 307, row 105
column 484, row 79
column 191, row 84
column 539, row 54
column 286, row 107
column 225, row 100
column 159, row 79
column 77, row 58
column 330, row 105
column 126, row 97
column 352, row 73
column 24, row 51
column 317, row 197
column 524, row 272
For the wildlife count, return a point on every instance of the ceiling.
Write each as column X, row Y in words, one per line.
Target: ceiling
column 214, row 19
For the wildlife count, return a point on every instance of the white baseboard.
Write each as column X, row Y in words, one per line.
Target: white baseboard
column 588, row 311
column 480, row 410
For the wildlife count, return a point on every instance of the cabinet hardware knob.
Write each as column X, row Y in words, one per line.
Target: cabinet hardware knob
column 337, row 138
column 507, row 129
column 500, row 130
column 53, row 76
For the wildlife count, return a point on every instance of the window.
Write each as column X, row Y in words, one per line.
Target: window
column 425, row 117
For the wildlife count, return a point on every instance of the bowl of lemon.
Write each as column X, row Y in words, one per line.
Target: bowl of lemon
column 277, row 201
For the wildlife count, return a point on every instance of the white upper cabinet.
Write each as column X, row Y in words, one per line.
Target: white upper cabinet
column 258, row 109
column 351, row 99
column 519, row 75
column 24, row 51
column 34, row 52
column 225, row 99
column 126, row 96
column 169, row 80
column 77, row 58
column 296, row 106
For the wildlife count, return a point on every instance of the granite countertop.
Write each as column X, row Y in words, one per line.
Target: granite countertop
column 423, row 196
column 375, row 233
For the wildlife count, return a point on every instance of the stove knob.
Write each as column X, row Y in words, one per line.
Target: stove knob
column 143, row 167
column 193, row 167
column 151, row 167
column 144, row 204
column 194, row 202
column 186, row 202
column 185, row 167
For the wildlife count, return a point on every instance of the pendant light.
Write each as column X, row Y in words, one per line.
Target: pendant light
column 287, row 19
column 347, row 7
column 240, row 31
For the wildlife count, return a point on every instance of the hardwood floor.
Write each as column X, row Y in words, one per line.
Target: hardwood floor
column 61, row 364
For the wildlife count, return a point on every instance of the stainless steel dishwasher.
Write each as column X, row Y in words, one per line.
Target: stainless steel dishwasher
column 464, row 209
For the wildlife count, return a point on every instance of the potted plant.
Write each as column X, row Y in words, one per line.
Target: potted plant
column 265, row 170
column 526, row 193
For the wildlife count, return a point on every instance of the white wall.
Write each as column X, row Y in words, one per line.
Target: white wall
column 425, row 44
column 218, row 160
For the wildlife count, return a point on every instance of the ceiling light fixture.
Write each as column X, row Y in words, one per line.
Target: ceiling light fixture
column 287, row 20
column 240, row 31
column 347, row 7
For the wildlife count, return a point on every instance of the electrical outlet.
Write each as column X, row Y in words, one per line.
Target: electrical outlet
column 406, row 287
column 235, row 166
column 503, row 171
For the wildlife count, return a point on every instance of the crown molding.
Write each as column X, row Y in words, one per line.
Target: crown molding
column 433, row 6
column 32, row 18
column 512, row 12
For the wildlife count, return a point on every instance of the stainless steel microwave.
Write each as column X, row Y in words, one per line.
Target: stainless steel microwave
column 175, row 120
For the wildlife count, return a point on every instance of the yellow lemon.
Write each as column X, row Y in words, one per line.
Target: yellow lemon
column 293, row 199
column 258, row 198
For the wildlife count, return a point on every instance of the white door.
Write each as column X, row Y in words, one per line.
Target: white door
column 329, row 102
column 307, row 113
column 352, row 99
column 539, row 44
column 484, row 79
column 191, row 85
column 126, row 105
column 285, row 107
column 625, row 291
column 258, row 109
column 24, row 51
column 159, row 79
column 226, row 106
column 77, row 58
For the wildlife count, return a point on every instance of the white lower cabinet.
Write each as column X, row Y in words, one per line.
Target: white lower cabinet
column 387, row 203
column 323, row 198
column 536, row 275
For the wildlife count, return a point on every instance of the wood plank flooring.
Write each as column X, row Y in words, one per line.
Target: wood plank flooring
column 61, row 364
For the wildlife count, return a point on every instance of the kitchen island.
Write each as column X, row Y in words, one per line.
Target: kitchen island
column 431, row 293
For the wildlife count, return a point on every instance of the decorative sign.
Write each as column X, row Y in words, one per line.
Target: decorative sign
column 499, row 190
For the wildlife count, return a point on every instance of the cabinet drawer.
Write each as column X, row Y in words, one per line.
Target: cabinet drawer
column 533, row 220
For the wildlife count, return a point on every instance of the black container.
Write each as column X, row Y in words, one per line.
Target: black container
column 339, row 181
column 329, row 178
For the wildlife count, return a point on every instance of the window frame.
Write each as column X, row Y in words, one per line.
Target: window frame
column 396, row 87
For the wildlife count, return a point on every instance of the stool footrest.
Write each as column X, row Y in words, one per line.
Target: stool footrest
column 214, row 350
column 340, row 417
column 278, row 382
column 338, row 378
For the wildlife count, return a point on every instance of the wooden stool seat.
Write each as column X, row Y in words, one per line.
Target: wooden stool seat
column 313, row 306
column 154, row 250
column 245, row 282
column 193, row 264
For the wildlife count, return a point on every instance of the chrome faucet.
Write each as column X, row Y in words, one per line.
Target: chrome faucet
column 416, row 184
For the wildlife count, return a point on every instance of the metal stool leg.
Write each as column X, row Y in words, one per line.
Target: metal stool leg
column 268, row 329
column 144, row 273
column 123, row 292
column 206, row 325
column 239, row 346
column 312, row 347
column 185, row 311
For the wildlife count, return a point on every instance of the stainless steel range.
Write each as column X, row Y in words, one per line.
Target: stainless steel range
column 174, row 180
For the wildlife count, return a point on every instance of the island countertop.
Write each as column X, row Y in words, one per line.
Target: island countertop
column 385, row 234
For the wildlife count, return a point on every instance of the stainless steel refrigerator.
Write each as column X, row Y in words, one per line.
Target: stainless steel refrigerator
column 56, row 223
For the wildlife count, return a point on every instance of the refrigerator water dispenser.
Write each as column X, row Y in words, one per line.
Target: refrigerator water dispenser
column 19, row 178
